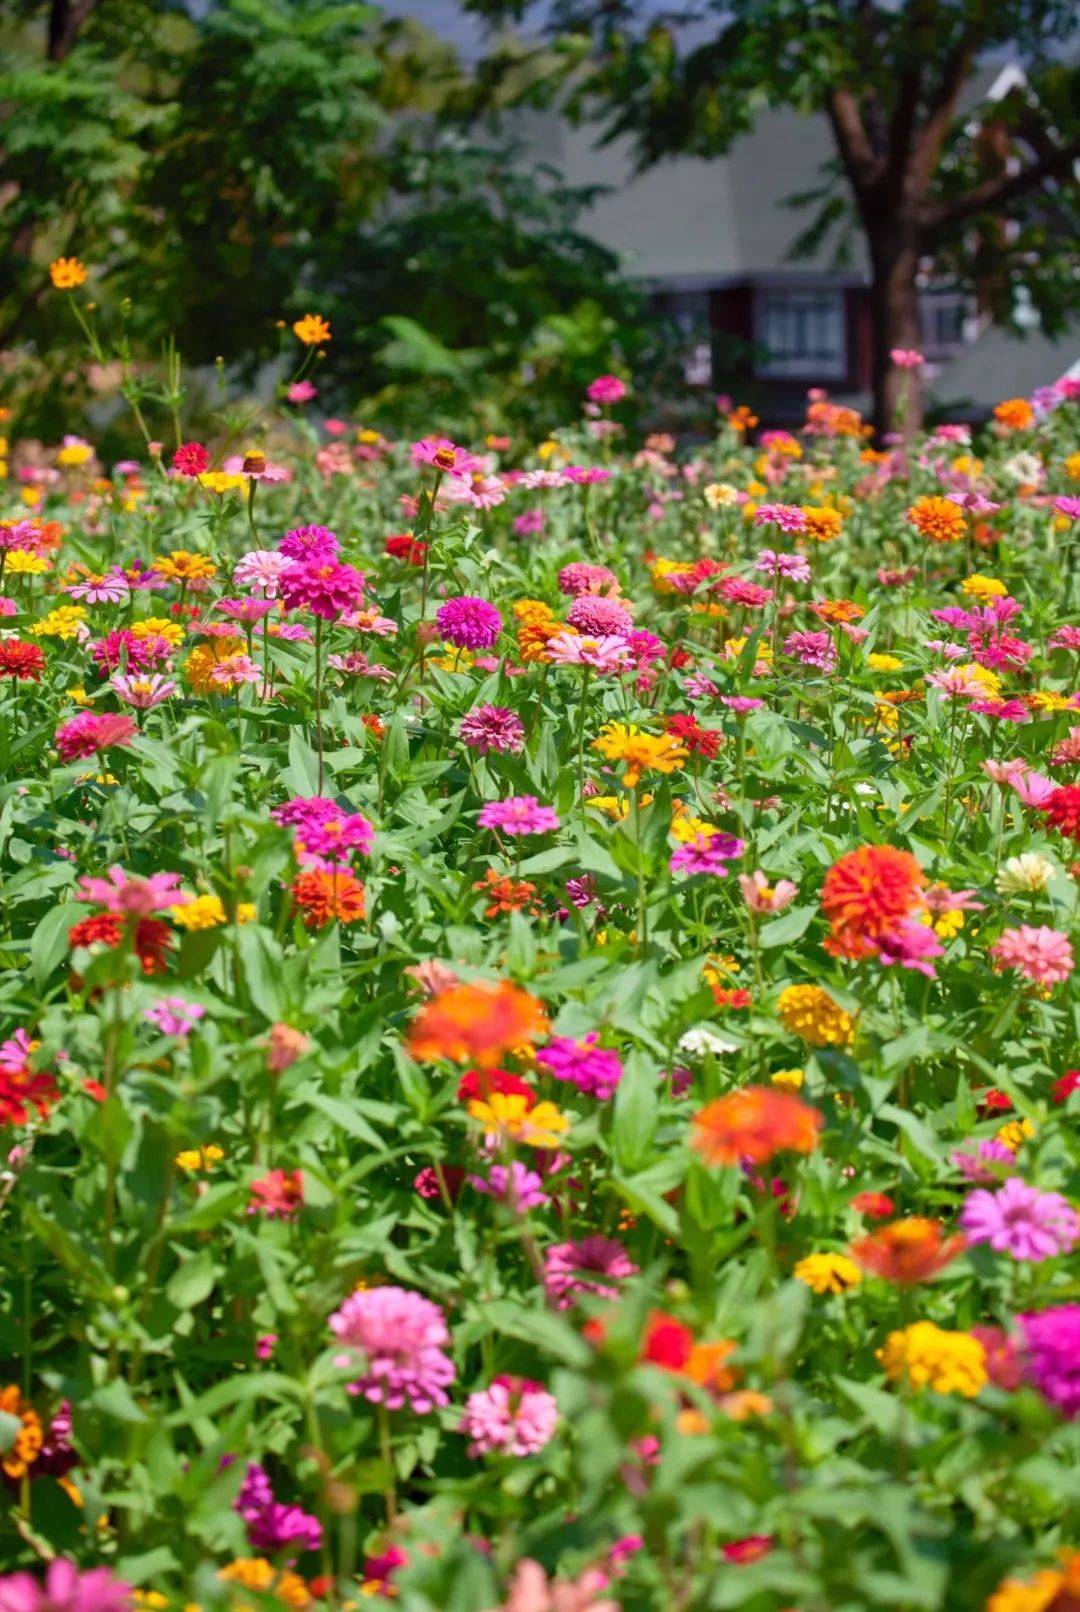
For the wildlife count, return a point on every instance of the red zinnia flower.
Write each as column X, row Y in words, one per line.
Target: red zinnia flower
column 700, row 741
column 19, row 660
column 23, row 1089
column 403, row 546
column 152, row 939
column 1065, row 1085
column 907, row 1251
column 874, row 1205
column 191, row 459
column 1063, row 810
column 866, row 894
column 479, row 1084
column 667, row 1343
column 750, row 1549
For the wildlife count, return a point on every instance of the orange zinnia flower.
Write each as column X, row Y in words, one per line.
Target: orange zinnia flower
column 907, row 1251
column 866, row 894
column 507, row 894
column 754, row 1124
column 477, row 1024
column 322, row 897
column 1015, row 414
column 939, row 520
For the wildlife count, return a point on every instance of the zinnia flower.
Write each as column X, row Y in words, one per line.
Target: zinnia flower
column 754, row 1123
column 476, row 1024
column 927, row 1356
column 65, row 1587
column 1020, row 1220
column 1051, row 1355
column 513, row 1417
column 401, row 1336
column 469, row 623
column 907, row 1251
column 590, row 1266
column 1039, row 953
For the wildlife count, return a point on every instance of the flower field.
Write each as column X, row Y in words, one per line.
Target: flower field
column 538, row 1014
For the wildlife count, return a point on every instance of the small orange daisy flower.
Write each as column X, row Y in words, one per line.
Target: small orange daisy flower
column 322, row 897
column 477, row 1024
column 754, row 1123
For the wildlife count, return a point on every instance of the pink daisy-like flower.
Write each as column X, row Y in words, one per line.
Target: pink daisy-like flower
column 514, row 1184
column 260, row 570
column 511, row 1417
column 325, row 587
column 469, row 623
column 443, row 455
column 788, row 517
column 606, row 654
column 594, row 1070
column 112, row 588
column 599, row 616
column 1020, row 1220
column 143, row 692
column 131, row 895
column 762, row 895
column 812, row 649
column 255, row 466
column 1039, row 953
column 590, row 1265
column 493, row 727
column 1051, row 1355
column 401, row 1335
column 175, row 1015
column 518, row 814
column 92, row 731
column 579, row 577
column 708, row 854
column 990, row 1160
column 795, row 567
column 66, row 1588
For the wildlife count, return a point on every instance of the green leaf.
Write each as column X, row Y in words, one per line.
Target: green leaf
column 788, row 927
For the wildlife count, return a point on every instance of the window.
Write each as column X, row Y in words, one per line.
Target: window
column 803, row 333
column 946, row 318
column 688, row 313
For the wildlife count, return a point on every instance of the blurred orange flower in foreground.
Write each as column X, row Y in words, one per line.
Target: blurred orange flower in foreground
column 907, row 1251
column 477, row 1024
column 754, row 1124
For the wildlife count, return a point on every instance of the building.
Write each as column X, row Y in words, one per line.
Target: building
column 714, row 243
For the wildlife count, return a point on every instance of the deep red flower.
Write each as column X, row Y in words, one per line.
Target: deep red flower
column 1063, row 810
column 191, row 459
column 750, row 1549
column 700, row 741
column 994, row 1102
column 22, row 1089
column 731, row 996
column 478, row 1084
column 152, row 940
column 874, row 1205
column 104, row 928
column 94, row 1089
column 1065, row 1085
column 403, row 546
column 667, row 1343
column 23, row 661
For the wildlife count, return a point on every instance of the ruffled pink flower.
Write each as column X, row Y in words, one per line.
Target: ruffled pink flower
column 1051, row 1357
column 593, row 1069
column 469, row 623
column 64, row 1588
column 707, row 854
column 493, row 727
column 518, row 814
column 589, row 1265
column 599, row 615
column 605, row 390
column 325, row 587
column 812, row 649
column 579, row 577
column 511, row 1417
column 131, row 895
column 260, row 570
column 1020, row 1220
column 788, row 517
column 401, row 1335
column 310, row 543
column 175, row 1015
column 1039, row 953
column 92, row 731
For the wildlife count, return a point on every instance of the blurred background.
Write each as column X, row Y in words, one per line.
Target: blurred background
column 493, row 202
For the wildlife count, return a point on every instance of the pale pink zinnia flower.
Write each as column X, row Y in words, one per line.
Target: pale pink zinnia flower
column 401, row 1336
column 513, row 1417
column 1039, row 953
column 762, row 896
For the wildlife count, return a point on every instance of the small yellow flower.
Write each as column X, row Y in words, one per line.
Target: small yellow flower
column 221, row 481
column 719, row 494
column 183, row 566
column 67, row 273
column 662, row 572
column 552, row 450
column 32, row 496
column 159, row 627
column 788, row 1079
column 453, row 659
column 78, row 695
column 312, row 330
column 927, row 1356
column 1046, row 700
column 507, row 1117
column 193, row 1159
column 884, row 663
column 828, row 1273
column 1014, row 1133
column 256, row 1573
column 822, row 522
column 63, row 622
column 642, row 752
column 981, row 587
column 613, row 806
column 717, row 969
column 208, row 912
column 982, row 675
column 74, row 453
column 1072, row 466
column 21, row 563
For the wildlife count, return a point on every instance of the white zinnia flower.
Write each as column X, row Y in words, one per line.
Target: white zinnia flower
column 700, row 1040
column 1023, row 874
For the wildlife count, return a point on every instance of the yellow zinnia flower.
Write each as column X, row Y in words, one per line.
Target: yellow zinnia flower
column 828, row 1273
column 642, row 752
column 926, row 1356
column 508, row 1117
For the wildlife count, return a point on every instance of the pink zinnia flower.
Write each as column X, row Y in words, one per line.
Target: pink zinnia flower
column 989, row 1162
column 1051, row 1356
column 326, row 587
column 605, row 654
column 65, row 1588
column 518, row 814
column 514, row 1184
column 1020, row 1220
column 469, row 623
column 708, row 854
column 762, row 896
column 589, row 1265
column 1038, row 953
column 812, row 649
column 579, row 577
column 91, row 731
column 594, row 1070
column 142, row 692
column 599, row 616
column 310, row 543
column 793, row 566
column 606, row 389
column 174, row 1015
column 191, row 459
column 401, row 1335
column 788, row 517
column 493, row 727
column 131, row 895
column 260, row 570
column 444, row 455
column 301, row 392
column 513, row 1416
column 906, row 357
column 112, row 588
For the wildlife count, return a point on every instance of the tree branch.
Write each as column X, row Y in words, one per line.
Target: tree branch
column 861, row 164
column 65, row 20
column 1005, row 188
column 924, row 160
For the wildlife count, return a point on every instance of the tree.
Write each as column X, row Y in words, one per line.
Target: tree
column 922, row 174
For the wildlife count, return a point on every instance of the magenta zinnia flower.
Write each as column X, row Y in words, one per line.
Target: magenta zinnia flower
column 1052, row 1356
column 401, row 1335
column 310, row 543
column 324, row 586
column 469, row 623
column 599, row 616
column 579, row 577
column 512, row 1416
column 493, row 727
column 589, row 1265
column 594, row 1070
column 91, row 731
column 518, row 814
column 1020, row 1220
column 708, row 853
column 788, row 517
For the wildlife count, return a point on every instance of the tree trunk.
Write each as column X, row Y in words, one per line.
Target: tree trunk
column 894, row 305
